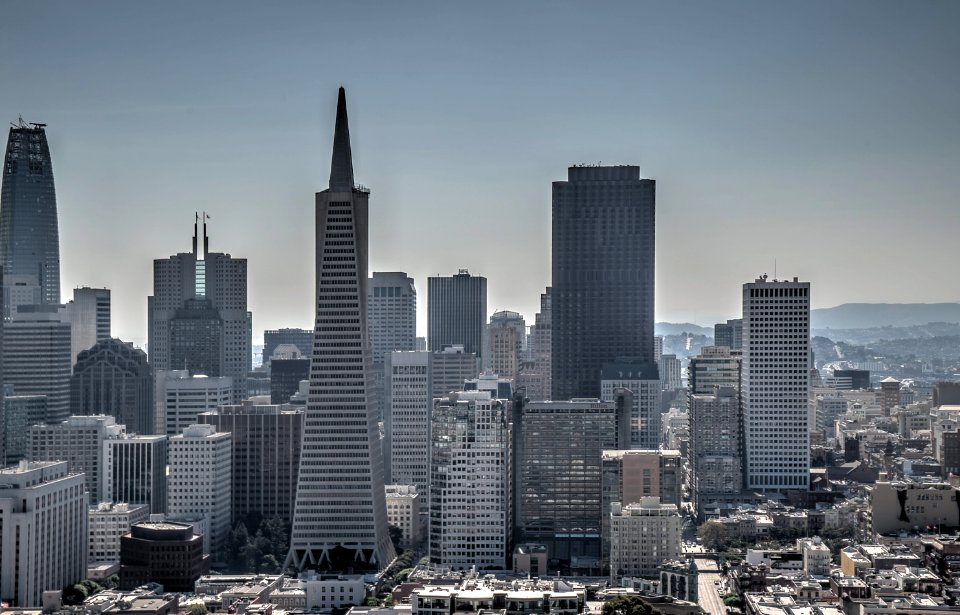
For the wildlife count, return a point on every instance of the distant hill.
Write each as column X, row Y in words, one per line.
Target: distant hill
column 873, row 315
column 676, row 328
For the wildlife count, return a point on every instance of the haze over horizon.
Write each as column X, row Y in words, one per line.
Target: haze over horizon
column 819, row 136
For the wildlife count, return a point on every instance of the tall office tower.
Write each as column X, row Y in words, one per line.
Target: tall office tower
column 180, row 398
column 134, row 471
column 392, row 322
column 827, row 409
column 470, row 481
column 109, row 522
column 392, row 313
column 670, row 369
column 643, row 381
column 406, row 419
column 457, row 312
column 541, row 336
column 112, row 377
column 340, row 516
column 43, row 513
column 301, row 338
column 285, row 377
column 714, row 366
column 79, row 441
column 642, row 537
column 36, row 357
column 449, row 368
column 775, row 382
column 729, row 334
column 716, row 458
column 200, row 480
column 19, row 413
column 266, row 456
column 657, row 348
column 506, row 338
column 197, row 315
column 889, row 395
column 603, row 271
column 89, row 316
column 558, row 488
column 29, row 237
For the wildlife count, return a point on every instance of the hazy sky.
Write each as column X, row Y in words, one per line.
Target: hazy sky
column 825, row 135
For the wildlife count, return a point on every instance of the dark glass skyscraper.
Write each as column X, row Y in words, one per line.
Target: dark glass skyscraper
column 29, row 238
column 457, row 312
column 603, row 272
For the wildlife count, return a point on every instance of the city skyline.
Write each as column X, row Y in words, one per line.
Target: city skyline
column 839, row 138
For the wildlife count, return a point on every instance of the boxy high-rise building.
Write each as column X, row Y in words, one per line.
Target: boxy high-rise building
column 457, row 312
column 112, row 377
column 775, row 383
column 603, row 274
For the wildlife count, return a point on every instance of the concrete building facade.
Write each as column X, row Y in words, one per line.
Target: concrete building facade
column 200, row 478
column 43, row 530
column 775, row 384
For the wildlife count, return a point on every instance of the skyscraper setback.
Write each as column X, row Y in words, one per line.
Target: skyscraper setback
column 603, row 275
column 29, row 234
column 340, row 515
column 197, row 316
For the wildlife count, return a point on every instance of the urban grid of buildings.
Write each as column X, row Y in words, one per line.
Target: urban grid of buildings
column 495, row 466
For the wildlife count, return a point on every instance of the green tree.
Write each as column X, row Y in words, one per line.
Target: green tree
column 713, row 535
column 396, row 536
column 197, row 609
column 732, row 600
column 629, row 605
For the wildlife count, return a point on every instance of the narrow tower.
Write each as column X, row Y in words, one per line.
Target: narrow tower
column 29, row 236
column 340, row 515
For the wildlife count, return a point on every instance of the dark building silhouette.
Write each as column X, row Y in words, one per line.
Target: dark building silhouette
column 729, row 334
column 114, row 378
column 266, row 456
column 197, row 339
column 167, row 553
column 859, row 378
column 285, row 377
column 946, row 393
column 457, row 312
column 603, row 274
column 301, row 338
column 340, row 515
column 29, row 236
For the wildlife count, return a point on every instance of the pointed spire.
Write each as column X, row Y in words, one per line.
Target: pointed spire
column 341, row 168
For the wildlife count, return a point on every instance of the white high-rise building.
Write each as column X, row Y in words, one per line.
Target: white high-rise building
column 671, row 376
column 200, row 478
column 43, row 530
column 134, row 470
column 642, row 537
column 469, row 481
column 340, row 513
column 180, row 398
column 392, row 313
column 407, row 419
column 79, row 441
column 108, row 522
column 775, row 383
